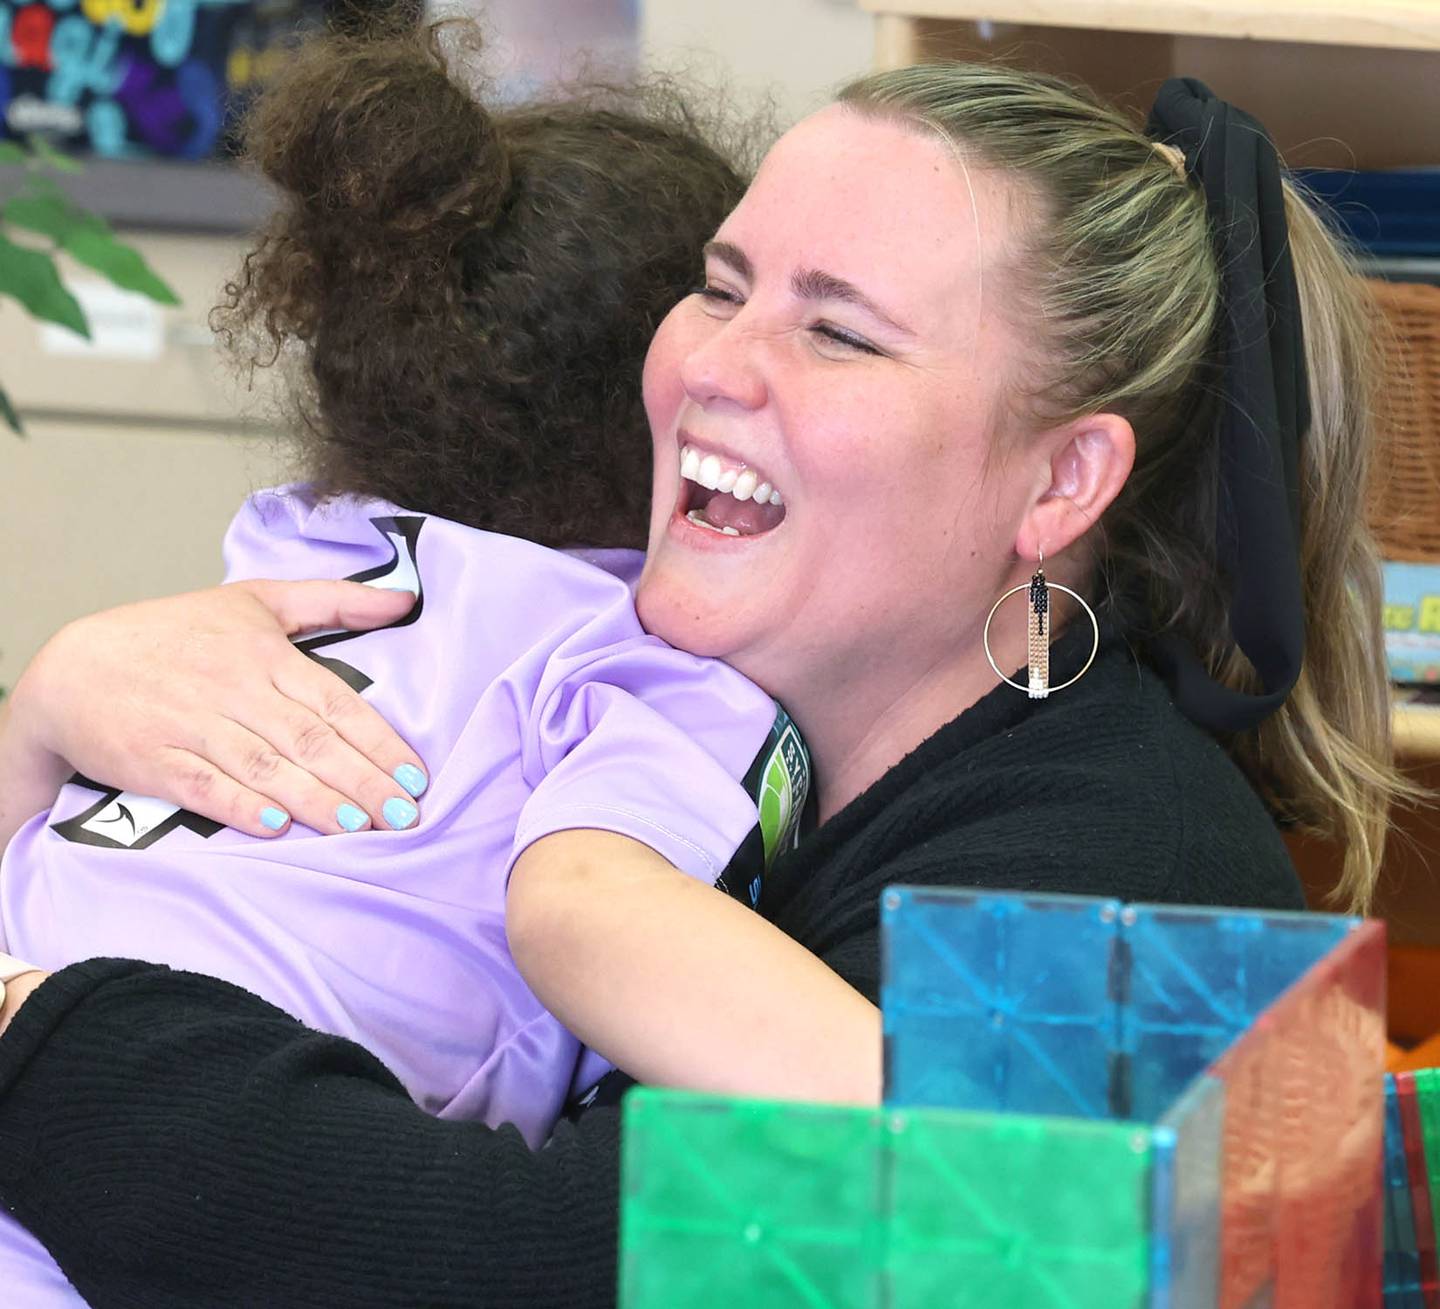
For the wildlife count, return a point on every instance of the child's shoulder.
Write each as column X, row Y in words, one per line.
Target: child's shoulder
column 289, row 532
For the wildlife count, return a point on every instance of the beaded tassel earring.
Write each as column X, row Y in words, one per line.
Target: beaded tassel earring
column 1037, row 628
column 1039, row 625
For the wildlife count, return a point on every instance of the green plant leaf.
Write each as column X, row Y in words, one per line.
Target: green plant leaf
column 96, row 247
column 48, row 156
column 50, row 215
column 10, row 153
column 39, row 182
column 30, row 277
column 12, row 420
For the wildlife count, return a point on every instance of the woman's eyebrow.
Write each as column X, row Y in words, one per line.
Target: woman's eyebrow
column 807, row 283
column 813, row 284
column 732, row 255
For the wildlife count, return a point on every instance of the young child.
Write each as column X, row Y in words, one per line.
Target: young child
column 470, row 293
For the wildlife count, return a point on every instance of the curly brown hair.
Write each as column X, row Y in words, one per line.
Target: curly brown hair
column 470, row 290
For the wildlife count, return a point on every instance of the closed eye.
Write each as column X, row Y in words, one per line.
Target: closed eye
column 827, row 331
column 848, row 339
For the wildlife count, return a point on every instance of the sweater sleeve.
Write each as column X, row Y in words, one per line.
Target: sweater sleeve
column 175, row 1141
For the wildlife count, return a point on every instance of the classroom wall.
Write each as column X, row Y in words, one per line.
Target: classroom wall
column 138, row 449
column 794, row 52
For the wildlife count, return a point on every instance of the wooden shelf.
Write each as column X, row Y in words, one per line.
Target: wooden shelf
column 1417, row 732
column 1390, row 24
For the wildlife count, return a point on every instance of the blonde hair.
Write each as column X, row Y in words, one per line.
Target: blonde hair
column 1117, row 284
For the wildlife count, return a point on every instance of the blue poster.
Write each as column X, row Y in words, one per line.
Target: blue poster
column 140, row 79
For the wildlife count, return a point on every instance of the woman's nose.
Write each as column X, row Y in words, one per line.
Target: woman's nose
column 725, row 368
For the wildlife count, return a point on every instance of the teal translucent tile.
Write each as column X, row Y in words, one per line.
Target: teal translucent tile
column 731, row 1202
column 1060, row 1004
column 998, row 1001
column 1260, row 1178
column 1194, row 980
column 1004, row 1209
column 1185, row 1213
column 1402, row 1257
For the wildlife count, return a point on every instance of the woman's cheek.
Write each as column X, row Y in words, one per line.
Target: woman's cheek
column 682, row 331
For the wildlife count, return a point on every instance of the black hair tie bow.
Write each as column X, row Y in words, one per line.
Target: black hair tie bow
column 1265, row 406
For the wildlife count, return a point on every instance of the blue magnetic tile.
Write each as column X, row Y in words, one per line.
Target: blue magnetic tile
column 1397, row 1175
column 1402, row 1259
column 1194, row 980
column 1185, row 1207
column 998, row 1002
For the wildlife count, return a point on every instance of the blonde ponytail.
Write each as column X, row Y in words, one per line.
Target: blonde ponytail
column 1119, row 286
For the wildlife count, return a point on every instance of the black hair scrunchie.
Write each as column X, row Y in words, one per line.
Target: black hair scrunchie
column 1265, row 406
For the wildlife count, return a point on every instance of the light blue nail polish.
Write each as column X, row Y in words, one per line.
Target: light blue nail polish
column 350, row 818
column 274, row 818
column 412, row 779
column 399, row 813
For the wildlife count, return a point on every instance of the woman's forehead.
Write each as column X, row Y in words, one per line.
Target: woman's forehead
column 879, row 203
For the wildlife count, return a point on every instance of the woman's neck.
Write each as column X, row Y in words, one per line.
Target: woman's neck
column 859, row 727
column 857, row 733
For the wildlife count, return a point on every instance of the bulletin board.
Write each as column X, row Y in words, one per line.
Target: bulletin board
column 139, row 79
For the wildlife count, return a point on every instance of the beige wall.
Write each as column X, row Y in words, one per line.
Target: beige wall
column 794, row 51
column 95, row 515
column 135, row 458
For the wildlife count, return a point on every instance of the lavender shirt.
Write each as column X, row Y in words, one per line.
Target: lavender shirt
column 524, row 681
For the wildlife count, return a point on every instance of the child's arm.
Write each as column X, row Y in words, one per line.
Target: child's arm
column 677, row 983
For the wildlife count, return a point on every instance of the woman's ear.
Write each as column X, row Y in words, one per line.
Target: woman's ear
column 1089, row 462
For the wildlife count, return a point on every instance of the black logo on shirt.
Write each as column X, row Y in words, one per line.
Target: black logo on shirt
column 151, row 820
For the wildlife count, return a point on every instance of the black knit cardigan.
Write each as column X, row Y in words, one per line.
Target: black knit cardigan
column 176, row 1142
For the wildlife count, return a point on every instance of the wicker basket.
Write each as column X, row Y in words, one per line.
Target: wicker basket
column 1404, row 499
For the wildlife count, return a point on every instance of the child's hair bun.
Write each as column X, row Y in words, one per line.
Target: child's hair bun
column 368, row 131
column 463, row 295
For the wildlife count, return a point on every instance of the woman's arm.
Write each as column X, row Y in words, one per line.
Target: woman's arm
column 202, row 700
column 30, row 775
column 679, row 984
column 175, row 1141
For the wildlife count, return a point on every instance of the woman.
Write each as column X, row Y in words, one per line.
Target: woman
column 962, row 319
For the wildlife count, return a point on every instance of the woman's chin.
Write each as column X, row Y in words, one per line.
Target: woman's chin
column 685, row 616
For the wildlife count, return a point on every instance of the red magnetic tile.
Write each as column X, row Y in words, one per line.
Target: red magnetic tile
column 1302, row 1193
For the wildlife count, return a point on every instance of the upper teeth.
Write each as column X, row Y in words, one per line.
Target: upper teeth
column 713, row 474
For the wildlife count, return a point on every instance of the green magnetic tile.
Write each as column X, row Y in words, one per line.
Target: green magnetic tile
column 766, row 1205
column 1427, row 1093
column 748, row 1203
column 992, row 1209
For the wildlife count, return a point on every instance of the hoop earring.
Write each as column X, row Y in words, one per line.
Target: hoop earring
column 1038, row 632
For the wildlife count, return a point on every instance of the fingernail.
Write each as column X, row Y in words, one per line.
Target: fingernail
column 412, row 779
column 274, row 818
column 409, row 590
column 350, row 818
column 399, row 813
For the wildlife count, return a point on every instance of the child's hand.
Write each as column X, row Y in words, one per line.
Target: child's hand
column 201, row 700
column 17, row 980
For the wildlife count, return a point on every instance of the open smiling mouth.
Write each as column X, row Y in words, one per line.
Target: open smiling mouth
column 725, row 498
